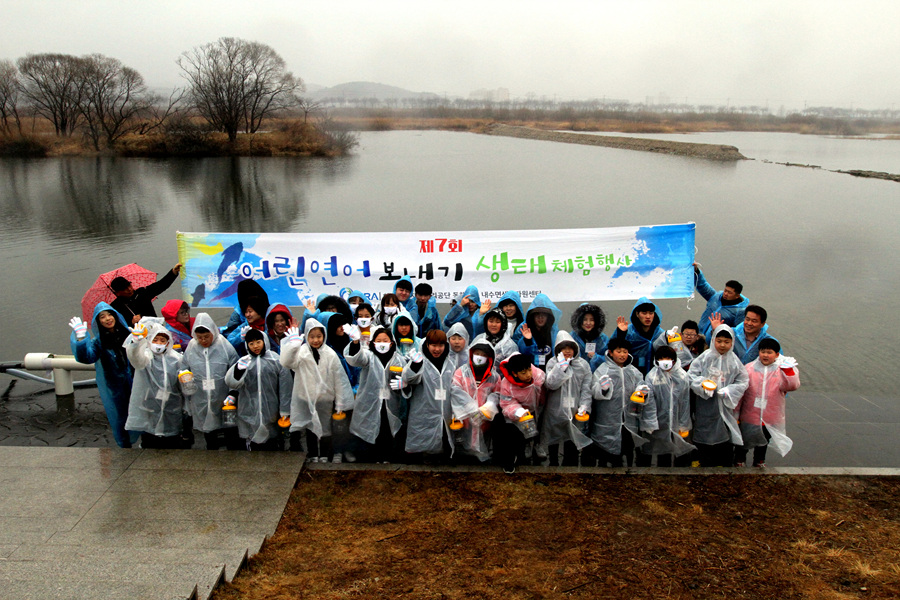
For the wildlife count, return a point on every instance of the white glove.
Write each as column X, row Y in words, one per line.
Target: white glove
column 787, row 362
column 726, row 394
column 643, row 388
column 672, row 332
column 138, row 331
column 79, row 327
column 292, row 335
column 352, row 332
column 562, row 361
column 244, row 330
column 581, row 412
column 243, row 362
column 520, row 412
column 415, row 356
column 605, row 382
column 396, row 384
column 708, row 393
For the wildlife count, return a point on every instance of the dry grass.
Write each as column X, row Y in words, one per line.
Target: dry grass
column 423, row 535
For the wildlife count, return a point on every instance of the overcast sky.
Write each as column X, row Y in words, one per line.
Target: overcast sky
column 784, row 53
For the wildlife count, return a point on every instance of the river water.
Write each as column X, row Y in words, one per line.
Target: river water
column 816, row 249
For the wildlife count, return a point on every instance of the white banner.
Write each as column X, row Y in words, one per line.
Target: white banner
column 578, row 265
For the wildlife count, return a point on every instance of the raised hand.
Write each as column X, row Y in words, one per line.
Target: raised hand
column 621, row 323
column 79, row 327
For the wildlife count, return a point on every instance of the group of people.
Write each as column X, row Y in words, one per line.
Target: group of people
column 397, row 383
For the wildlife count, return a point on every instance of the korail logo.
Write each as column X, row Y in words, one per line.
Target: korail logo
column 345, row 293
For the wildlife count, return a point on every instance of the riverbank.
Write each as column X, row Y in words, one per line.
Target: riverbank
column 690, row 149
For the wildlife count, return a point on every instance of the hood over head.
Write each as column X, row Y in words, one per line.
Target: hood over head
column 495, row 313
column 657, row 318
column 514, row 297
column 312, row 323
column 458, row 329
column 720, row 329
column 564, row 338
column 542, row 302
column 588, row 309
column 403, row 317
column 515, row 363
column 472, row 293
column 275, row 309
column 154, row 329
column 356, row 294
column 99, row 308
column 170, row 313
column 206, row 322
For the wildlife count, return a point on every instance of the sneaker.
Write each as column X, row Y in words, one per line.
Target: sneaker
column 337, row 458
column 760, row 465
column 740, row 464
column 510, row 469
column 350, row 457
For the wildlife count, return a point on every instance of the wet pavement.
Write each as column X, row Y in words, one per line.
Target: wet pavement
column 828, row 430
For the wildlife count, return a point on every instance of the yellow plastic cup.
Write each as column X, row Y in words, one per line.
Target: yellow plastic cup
column 284, row 422
column 674, row 338
column 339, row 416
column 395, row 369
column 709, row 385
column 582, row 418
column 684, row 434
column 406, row 340
column 456, row 425
column 639, row 396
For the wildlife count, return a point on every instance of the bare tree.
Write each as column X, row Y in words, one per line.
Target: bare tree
column 235, row 83
column 54, row 84
column 10, row 86
column 308, row 106
column 115, row 99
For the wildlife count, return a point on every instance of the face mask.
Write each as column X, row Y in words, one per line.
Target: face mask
column 364, row 321
column 665, row 364
column 158, row 348
column 478, row 360
column 382, row 347
column 390, row 310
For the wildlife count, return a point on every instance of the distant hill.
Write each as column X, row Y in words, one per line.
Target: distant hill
column 357, row 90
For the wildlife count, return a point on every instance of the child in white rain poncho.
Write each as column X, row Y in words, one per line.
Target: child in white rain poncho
column 761, row 409
column 264, row 393
column 404, row 332
column 430, row 378
column 666, row 414
column 458, row 340
column 321, row 388
column 718, row 380
column 208, row 357
column 475, row 400
column 568, row 389
column 380, row 406
column 156, row 404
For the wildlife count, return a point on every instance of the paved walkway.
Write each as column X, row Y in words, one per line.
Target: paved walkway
column 111, row 523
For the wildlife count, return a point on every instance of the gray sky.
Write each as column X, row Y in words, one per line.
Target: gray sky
column 782, row 52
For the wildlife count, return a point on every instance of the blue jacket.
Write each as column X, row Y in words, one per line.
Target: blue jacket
column 114, row 375
column 746, row 353
column 540, row 355
column 478, row 318
column 411, row 301
column 430, row 320
column 642, row 344
column 731, row 314
column 458, row 314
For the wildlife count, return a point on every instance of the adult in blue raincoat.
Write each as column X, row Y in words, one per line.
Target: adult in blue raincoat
column 749, row 333
column 730, row 304
column 467, row 305
column 103, row 348
column 641, row 332
column 403, row 289
column 424, row 312
column 537, row 335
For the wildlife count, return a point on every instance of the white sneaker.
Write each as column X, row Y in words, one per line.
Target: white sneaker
column 351, row 458
column 337, row 458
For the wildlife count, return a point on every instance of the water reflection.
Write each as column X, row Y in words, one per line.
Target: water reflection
column 244, row 194
column 97, row 197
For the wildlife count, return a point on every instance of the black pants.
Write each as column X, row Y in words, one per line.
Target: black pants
column 276, row 444
column 509, row 445
column 715, row 455
column 383, row 449
column 156, row 442
column 226, row 437
column 570, row 455
column 316, row 446
column 759, row 452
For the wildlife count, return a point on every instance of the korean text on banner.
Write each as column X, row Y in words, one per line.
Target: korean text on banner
column 576, row 265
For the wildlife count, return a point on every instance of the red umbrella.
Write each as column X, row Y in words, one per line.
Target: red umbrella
column 101, row 292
